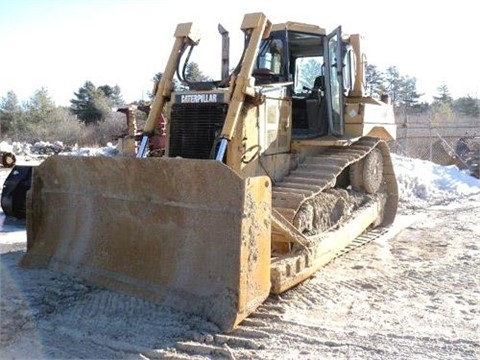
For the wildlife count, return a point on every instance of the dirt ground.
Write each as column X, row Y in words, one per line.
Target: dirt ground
column 413, row 293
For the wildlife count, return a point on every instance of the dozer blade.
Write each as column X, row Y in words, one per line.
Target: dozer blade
column 190, row 234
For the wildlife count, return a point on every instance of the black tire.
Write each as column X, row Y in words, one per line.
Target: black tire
column 14, row 193
column 8, row 160
column 373, row 171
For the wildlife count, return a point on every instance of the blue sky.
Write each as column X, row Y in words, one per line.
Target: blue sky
column 59, row 44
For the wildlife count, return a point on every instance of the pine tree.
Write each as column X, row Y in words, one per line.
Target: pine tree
column 374, row 81
column 40, row 109
column 467, row 106
column 194, row 74
column 92, row 104
column 11, row 119
column 443, row 96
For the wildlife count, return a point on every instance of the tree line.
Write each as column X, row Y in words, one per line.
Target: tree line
column 90, row 112
column 402, row 90
column 88, row 120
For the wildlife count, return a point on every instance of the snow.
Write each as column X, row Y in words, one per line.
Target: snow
column 357, row 309
column 108, row 150
column 5, row 146
column 12, row 231
column 423, row 183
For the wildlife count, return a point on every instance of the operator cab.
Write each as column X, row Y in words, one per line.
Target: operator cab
column 304, row 58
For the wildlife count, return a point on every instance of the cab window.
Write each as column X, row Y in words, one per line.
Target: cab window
column 307, row 69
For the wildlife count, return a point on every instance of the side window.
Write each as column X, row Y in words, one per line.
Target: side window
column 270, row 56
column 348, row 69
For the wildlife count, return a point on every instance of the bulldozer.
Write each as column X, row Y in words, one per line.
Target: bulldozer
column 268, row 174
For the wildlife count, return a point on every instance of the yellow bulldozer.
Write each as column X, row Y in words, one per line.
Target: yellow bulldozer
column 268, row 174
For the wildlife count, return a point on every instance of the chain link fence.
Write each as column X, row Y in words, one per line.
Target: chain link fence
column 444, row 143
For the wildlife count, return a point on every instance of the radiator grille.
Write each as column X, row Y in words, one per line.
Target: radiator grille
column 194, row 127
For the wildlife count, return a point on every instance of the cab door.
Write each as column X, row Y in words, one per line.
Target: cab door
column 334, row 81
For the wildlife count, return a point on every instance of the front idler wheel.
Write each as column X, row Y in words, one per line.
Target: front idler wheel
column 373, row 171
column 366, row 175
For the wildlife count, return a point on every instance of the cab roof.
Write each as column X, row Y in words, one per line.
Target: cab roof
column 301, row 27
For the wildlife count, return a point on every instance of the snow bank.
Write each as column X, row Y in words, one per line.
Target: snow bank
column 5, row 146
column 109, row 150
column 422, row 183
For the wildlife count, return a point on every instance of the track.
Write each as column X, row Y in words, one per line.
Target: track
column 313, row 199
column 320, row 172
column 363, row 240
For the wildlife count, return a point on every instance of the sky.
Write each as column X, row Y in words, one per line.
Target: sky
column 60, row 44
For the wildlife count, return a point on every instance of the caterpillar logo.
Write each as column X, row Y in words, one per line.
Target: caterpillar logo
column 199, row 98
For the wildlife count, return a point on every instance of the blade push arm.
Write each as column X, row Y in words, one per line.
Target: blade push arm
column 258, row 27
column 185, row 34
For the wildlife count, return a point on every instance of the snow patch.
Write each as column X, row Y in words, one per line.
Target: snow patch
column 423, row 183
